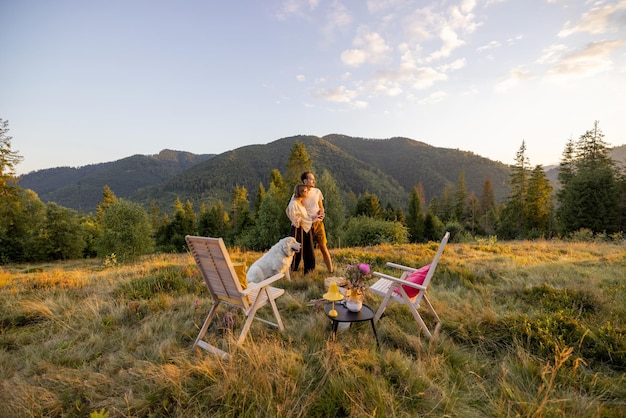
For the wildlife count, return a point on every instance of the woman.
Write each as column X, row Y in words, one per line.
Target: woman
column 301, row 229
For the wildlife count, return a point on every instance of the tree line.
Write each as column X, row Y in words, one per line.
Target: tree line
column 590, row 201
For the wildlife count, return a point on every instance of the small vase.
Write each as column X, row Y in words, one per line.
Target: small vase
column 354, row 301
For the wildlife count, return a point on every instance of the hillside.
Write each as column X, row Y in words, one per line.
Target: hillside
column 389, row 168
column 81, row 188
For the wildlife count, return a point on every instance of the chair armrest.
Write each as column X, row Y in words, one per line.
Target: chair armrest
column 401, row 267
column 263, row 283
column 400, row 281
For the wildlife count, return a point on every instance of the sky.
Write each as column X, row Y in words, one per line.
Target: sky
column 85, row 82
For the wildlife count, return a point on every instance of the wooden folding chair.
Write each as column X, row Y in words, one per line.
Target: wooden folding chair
column 407, row 290
column 221, row 279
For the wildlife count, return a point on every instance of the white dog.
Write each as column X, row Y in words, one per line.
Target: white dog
column 276, row 260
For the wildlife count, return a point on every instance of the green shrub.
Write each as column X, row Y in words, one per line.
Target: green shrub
column 364, row 231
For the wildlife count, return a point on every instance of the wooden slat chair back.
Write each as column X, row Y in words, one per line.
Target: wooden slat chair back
column 221, row 279
column 392, row 290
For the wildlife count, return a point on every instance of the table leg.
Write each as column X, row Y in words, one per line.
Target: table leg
column 335, row 326
column 375, row 334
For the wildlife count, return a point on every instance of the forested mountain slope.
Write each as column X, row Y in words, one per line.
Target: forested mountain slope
column 81, row 188
column 388, row 168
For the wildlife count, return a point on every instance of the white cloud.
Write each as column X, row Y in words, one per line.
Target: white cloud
column 451, row 42
column 353, row 57
column 296, row 7
column 301, row 77
column 514, row 40
column 435, row 97
column 420, row 25
column 337, row 18
column 462, row 18
column 425, row 77
column 387, row 88
column 490, row 45
column 453, row 66
column 552, row 54
column 339, row 94
column 516, row 75
column 598, row 20
column 594, row 58
column 371, row 48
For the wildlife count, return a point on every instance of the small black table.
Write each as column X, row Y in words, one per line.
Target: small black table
column 344, row 315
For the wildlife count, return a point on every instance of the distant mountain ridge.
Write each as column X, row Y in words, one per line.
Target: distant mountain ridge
column 388, row 168
column 81, row 188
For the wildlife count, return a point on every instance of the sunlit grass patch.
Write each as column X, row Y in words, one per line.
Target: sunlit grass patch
column 528, row 328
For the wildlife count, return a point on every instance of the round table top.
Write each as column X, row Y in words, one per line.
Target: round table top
column 344, row 315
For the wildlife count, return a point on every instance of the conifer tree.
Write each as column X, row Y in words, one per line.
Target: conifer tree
column 59, row 236
column 539, row 206
column 487, row 209
column 8, row 159
column 369, row 205
column 260, row 194
column 589, row 196
column 446, row 205
column 415, row 217
column 214, row 221
column 299, row 162
column 460, row 198
column 108, row 198
column 271, row 224
column 240, row 212
column 512, row 225
column 282, row 192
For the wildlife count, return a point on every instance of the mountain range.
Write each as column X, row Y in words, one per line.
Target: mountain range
column 388, row 168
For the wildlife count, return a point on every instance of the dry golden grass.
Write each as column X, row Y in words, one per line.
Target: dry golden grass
column 529, row 329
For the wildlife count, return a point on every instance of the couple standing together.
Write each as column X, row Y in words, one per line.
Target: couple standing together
column 306, row 213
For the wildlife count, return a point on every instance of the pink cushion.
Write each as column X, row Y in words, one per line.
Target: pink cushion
column 417, row 277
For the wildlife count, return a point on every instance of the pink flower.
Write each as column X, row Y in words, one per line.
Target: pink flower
column 365, row 269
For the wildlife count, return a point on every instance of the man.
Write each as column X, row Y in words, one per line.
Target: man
column 313, row 202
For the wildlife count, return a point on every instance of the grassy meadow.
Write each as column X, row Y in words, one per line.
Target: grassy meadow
column 530, row 329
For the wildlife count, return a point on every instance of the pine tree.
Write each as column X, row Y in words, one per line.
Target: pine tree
column 460, row 198
column 299, row 162
column 8, row 159
column 240, row 212
column 512, row 225
column 539, row 206
column 589, row 195
column 260, row 194
column 487, row 209
column 108, row 198
column 271, row 224
column 369, row 205
column 415, row 217
column 214, row 222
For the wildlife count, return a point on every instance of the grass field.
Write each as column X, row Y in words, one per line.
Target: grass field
column 530, row 329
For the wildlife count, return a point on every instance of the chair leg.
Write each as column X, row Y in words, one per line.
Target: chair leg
column 383, row 305
column 432, row 311
column 250, row 317
column 207, row 321
column 279, row 321
column 419, row 320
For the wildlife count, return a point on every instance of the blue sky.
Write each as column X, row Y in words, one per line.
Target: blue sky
column 85, row 82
